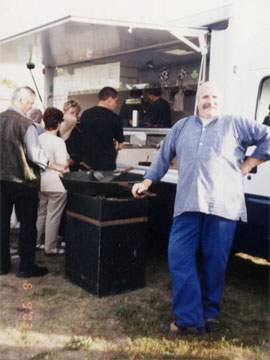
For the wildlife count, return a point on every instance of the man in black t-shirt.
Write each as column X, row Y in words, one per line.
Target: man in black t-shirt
column 102, row 132
column 159, row 114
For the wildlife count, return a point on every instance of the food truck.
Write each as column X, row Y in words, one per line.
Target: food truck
column 227, row 45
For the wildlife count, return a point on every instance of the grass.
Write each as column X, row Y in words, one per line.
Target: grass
column 70, row 324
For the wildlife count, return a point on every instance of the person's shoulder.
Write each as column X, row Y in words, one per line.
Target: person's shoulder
column 225, row 119
column 43, row 135
column 239, row 123
column 229, row 117
column 43, row 139
column 102, row 113
column 54, row 142
column 90, row 111
column 181, row 122
column 58, row 140
column 90, row 115
column 106, row 111
column 233, row 117
column 86, row 111
column 177, row 127
column 16, row 116
column 4, row 113
column 46, row 138
column 237, row 119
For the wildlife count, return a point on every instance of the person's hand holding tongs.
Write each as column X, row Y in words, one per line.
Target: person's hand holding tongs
column 141, row 189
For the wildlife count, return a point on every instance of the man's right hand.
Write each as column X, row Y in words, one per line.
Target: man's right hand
column 139, row 188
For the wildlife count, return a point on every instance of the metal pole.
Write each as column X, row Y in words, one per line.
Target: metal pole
column 34, row 81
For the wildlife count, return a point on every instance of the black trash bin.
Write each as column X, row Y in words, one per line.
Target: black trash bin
column 105, row 234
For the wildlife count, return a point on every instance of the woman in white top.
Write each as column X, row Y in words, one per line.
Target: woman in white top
column 52, row 197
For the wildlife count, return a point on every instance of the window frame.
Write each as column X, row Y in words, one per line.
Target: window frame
column 260, row 89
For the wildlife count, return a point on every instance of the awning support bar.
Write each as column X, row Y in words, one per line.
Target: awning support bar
column 186, row 41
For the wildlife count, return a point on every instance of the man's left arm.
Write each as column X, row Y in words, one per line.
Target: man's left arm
column 249, row 164
column 253, row 134
column 118, row 135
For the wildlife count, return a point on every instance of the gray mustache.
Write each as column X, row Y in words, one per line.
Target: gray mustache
column 208, row 105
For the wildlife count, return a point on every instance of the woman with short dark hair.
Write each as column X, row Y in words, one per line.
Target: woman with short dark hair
column 52, row 118
column 52, row 192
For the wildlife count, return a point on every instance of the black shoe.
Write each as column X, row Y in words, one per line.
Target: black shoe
column 212, row 325
column 33, row 271
column 172, row 328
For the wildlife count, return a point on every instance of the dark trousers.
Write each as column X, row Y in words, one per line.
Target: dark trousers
column 25, row 199
column 196, row 300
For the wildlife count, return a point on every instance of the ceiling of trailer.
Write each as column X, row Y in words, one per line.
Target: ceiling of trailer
column 73, row 42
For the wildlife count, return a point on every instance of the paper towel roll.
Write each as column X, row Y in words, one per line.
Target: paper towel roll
column 135, row 118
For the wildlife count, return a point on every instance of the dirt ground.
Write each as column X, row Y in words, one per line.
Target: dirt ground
column 52, row 319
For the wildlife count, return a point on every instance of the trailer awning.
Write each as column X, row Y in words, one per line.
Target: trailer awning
column 75, row 40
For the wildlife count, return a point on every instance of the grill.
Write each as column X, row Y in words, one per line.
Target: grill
column 101, row 183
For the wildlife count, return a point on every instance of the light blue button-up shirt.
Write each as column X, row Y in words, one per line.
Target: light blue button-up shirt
column 208, row 162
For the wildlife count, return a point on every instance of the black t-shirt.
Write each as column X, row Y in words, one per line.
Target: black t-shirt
column 160, row 114
column 100, row 127
column 73, row 144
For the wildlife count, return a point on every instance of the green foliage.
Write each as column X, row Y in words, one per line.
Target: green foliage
column 8, row 83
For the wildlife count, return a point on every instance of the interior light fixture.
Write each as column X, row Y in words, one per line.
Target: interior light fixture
column 178, row 52
column 150, row 65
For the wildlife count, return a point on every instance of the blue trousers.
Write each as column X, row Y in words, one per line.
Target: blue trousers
column 195, row 299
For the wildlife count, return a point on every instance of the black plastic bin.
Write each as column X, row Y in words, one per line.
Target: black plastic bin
column 105, row 238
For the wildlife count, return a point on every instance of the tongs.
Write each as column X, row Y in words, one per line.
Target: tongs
column 103, row 178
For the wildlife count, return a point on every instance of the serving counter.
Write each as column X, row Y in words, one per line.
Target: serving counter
column 141, row 145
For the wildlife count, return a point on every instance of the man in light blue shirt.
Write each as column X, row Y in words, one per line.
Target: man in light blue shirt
column 210, row 151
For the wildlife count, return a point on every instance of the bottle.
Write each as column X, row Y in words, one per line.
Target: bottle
column 135, row 118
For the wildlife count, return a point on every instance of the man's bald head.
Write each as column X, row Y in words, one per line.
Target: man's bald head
column 209, row 100
column 23, row 98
